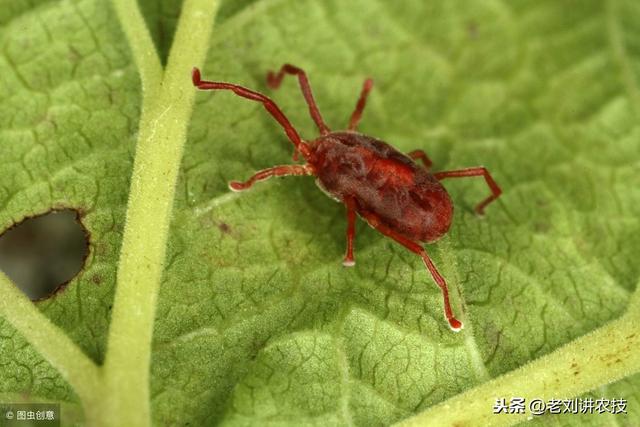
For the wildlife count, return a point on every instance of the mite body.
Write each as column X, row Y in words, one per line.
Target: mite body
column 385, row 187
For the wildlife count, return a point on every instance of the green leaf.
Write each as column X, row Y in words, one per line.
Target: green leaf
column 256, row 320
column 162, row 18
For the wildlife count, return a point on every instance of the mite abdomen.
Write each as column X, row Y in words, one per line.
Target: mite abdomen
column 384, row 182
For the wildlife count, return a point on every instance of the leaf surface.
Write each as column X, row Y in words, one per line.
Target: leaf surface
column 258, row 322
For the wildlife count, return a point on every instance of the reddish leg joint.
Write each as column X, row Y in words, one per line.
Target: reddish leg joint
column 274, row 80
column 421, row 155
column 349, row 261
column 362, row 101
column 268, row 173
column 478, row 171
column 455, row 324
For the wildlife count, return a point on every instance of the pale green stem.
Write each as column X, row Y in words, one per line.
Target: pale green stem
column 50, row 341
column 634, row 303
column 162, row 134
column 605, row 355
column 142, row 48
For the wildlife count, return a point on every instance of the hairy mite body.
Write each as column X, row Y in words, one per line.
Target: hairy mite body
column 383, row 182
column 397, row 197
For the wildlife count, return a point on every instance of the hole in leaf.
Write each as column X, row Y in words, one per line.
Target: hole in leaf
column 42, row 254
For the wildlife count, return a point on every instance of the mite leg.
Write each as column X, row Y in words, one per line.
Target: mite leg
column 274, row 80
column 349, row 261
column 268, row 104
column 362, row 101
column 419, row 154
column 478, row 171
column 455, row 324
column 268, row 173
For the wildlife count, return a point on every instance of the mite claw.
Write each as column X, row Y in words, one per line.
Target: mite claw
column 195, row 76
column 236, row 186
column 348, row 263
column 455, row 325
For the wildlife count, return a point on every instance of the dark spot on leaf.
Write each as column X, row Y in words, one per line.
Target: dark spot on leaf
column 73, row 55
column 101, row 248
column 541, row 227
column 224, row 227
column 96, row 279
column 472, row 29
column 542, row 203
column 42, row 253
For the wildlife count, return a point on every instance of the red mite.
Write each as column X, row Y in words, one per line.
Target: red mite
column 385, row 187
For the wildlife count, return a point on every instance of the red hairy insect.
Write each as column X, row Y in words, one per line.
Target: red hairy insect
column 386, row 188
